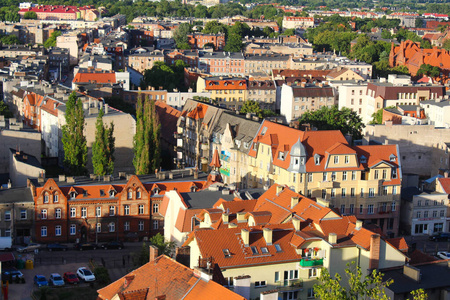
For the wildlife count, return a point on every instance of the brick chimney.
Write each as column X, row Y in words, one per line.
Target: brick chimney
column 128, row 280
column 154, row 253
column 374, row 255
column 225, row 218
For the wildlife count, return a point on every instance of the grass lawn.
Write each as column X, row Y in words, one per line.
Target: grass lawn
column 69, row 293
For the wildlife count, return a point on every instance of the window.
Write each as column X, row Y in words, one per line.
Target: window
column 99, row 227
column 333, row 193
column 44, row 231
column 336, row 159
column 361, row 209
column 264, row 250
column 427, row 202
column 346, row 159
column 393, row 206
column 344, row 175
column 376, row 174
column 371, row 192
column 441, row 213
column 418, row 214
column 324, row 194
column 352, row 208
column 155, row 208
column 141, row 225
column 352, row 192
column 112, row 227
column 98, row 211
column 58, row 230
column 312, row 272
column 310, row 293
column 138, row 194
column 126, row 210
column 353, row 175
column 310, row 177
column 435, row 202
column 324, row 177
column 385, row 190
column 141, row 209
column 419, row 202
column 342, row 209
column 278, row 247
column 83, row 212
column 425, row 214
column 155, row 224
column 58, row 213
column 226, row 252
column 254, row 250
column 112, row 210
column 46, row 198
column 362, row 192
column 126, row 226
column 55, row 198
column 333, row 176
column 130, row 194
column 394, row 173
column 73, row 212
column 370, row 209
column 290, row 295
column 384, row 175
column 73, row 229
column 434, row 213
column 43, row 214
column 260, row 284
column 343, row 192
column 111, row 193
column 23, row 214
column 277, row 276
column 394, row 190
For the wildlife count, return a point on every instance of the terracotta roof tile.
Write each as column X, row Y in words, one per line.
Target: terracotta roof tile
column 445, row 183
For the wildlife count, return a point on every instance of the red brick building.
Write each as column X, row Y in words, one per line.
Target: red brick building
column 62, row 12
column 102, row 212
column 198, row 40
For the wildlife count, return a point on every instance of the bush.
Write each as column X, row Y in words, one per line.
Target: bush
column 102, row 275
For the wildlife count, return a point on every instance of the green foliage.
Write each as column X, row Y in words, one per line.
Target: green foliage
column 425, row 44
column 345, row 120
column 377, row 117
column 404, row 34
column 120, row 104
column 419, row 295
column 147, row 147
column 51, row 41
column 429, row 70
column 367, row 50
column 165, row 76
column 73, row 139
column 368, row 287
column 180, row 35
column 289, row 32
column 10, row 39
column 419, row 23
column 251, row 106
column 446, row 45
column 102, row 276
column 234, row 43
column 30, row 15
column 164, row 247
column 103, row 147
column 141, row 258
column 214, row 27
column 5, row 111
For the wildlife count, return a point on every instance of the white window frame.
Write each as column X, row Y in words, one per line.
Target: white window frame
column 84, row 212
column 73, row 212
column 141, row 225
column 98, row 211
column 44, row 214
column 112, row 211
column 23, row 214
column 126, row 226
column 112, row 227
column 141, row 209
column 58, row 230
column 58, row 213
column 43, row 231
column 73, row 229
column 126, row 210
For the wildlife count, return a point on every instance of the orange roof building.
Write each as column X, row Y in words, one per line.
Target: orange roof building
column 164, row 278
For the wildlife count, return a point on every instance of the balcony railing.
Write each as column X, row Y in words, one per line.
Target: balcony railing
column 311, row 262
column 290, row 284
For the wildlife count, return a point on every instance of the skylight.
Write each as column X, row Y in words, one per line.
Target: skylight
column 278, row 247
column 264, row 250
column 254, row 250
column 226, row 252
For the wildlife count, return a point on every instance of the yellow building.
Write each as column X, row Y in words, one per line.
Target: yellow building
column 227, row 92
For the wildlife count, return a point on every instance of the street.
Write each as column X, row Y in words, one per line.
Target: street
column 423, row 244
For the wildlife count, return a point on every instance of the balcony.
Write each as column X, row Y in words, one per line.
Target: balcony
column 325, row 184
column 311, row 262
column 288, row 285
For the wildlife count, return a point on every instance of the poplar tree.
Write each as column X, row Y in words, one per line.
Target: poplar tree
column 73, row 139
column 147, row 153
column 103, row 147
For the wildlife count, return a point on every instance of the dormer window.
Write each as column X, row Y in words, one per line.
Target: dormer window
column 72, row 195
column 254, row 250
column 102, row 193
column 392, row 157
column 246, row 145
column 264, row 250
column 363, row 159
column 317, row 159
column 85, row 193
column 302, row 161
column 156, row 191
column 278, row 247
column 111, row 193
column 226, row 252
column 281, row 155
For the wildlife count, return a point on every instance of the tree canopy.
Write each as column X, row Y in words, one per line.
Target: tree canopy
column 103, row 147
column 180, row 35
column 251, row 106
column 5, row 111
column 51, row 41
column 345, row 120
column 428, row 70
column 30, row 15
column 165, row 76
column 377, row 117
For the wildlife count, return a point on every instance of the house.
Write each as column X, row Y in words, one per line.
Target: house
column 297, row 22
column 22, row 167
column 437, row 111
column 200, row 40
column 164, row 278
column 341, row 74
column 264, row 92
column 227, row 92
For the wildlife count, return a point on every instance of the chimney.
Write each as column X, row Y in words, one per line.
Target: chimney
column 374, row 255
column 359, row 224
column 154, row 253
column 412, row 273
column 128, row 280
column 106, row 109
column 279, row 189
column 225, row 218
column 267, row 232
column 294, row 201
column 332, row 238
column 245, row 235
column 240, row 216
column 446, row 174
column 232, row 225
column 296, row 223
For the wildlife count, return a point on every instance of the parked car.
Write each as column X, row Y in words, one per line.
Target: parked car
column 440, row 236
column 71, row 278
column 113, row 245
column 13, row 272
column 85, row 274
column 40, row 280
column 56, row 280
column 86, row 246
column 64, row 78
column 443, row 254
column 29, row 248
column 57, row 247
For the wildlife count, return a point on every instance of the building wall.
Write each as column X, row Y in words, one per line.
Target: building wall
column 19, row 172
column 354, row 97
column 20, row 229
column 71, row 43
column 27, row 141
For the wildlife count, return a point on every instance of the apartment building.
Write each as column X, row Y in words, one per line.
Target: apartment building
column 354, row 96
column 297, row 22
column 264, row 92
column 264, row 63
column 222, row 63
column 200, row 40
column 227, row 92
column 358, row 180
column 143, row 59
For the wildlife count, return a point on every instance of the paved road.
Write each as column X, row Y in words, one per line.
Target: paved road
column 427, row 246
column 118, row 262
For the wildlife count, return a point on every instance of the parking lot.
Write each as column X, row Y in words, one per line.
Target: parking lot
column 118, row 263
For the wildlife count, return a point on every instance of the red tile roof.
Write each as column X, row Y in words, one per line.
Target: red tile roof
column 94, row 77
column 445, row 183
column 226, row 84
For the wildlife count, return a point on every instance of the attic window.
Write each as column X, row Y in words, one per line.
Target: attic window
column 85, row 193
column 226, row 252
column 317, row 159
column 392, row 157
column 263, row 132
column 281, row 155
column 278, row 247
column 111, row 193
column 363, row 159
column 102, row 193
column 72, row 195
column 254, row 250
column 264, row 250
column 245, row 145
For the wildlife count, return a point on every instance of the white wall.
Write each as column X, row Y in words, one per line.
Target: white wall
column 287, row 96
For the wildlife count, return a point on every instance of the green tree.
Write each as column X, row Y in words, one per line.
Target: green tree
column 429, row 70
column 425, row 44
column 234, row 43
column 30, row 15
column 446, row 45
column 419, row 23
column 419, row 295
column 51, row 41
column 5, row 111
column 102, row 275
column 377, row 117
column 345, row 120
column 214, row 27
column 251, row 106
column 10, row 39
column 180, row 35
column 103, row 147
column 370, row 286
column 289, row 32
column 73, row 139
column 164, row 247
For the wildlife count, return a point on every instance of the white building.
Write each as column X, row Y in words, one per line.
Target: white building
column 178, row 99
column 437, row 111
column 353, row 96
